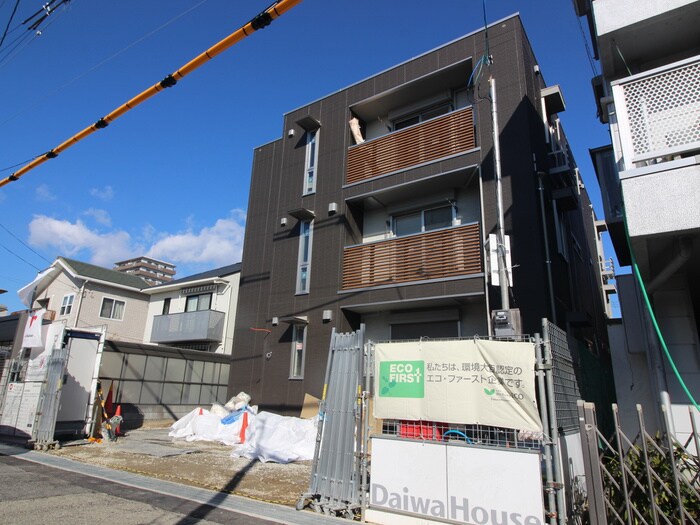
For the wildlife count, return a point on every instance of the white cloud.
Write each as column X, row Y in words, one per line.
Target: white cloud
column 43, row 193
column 218, row 245
column 70, row 239
column 101, row 216
column 105, row 193
column 212, row 246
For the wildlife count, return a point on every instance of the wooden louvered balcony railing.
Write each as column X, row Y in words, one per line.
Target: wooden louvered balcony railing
column 432, row 140
column 440, row 254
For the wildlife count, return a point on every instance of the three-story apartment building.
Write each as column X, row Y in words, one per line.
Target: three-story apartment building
column 379, row 206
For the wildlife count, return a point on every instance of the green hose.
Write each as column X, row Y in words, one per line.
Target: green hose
column 638, row 275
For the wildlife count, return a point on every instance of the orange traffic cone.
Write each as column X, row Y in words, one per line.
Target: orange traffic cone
column 201, row 412
column 117, row 429
column 244, row 425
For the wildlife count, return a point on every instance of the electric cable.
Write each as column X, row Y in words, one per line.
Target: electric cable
column 24, row 244
column 19, row 257
column 7, row 27
column 589, row 54
column 260, row 21
column 18, row 164
column 98, row 65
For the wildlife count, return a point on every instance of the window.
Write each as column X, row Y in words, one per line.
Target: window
column 112, row 309
column 304, row 263
column 166, row 306
column 311, row 161
column 195, row 303
column 422, row 116
column 424, row 220
column 296, row 370
column 67, row 304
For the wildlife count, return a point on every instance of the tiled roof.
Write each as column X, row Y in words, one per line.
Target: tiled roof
column 209, row 274
column 103, row 274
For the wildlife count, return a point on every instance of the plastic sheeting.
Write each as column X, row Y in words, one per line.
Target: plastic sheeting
column 202, row 425
column 281, row 439
column 268, row 437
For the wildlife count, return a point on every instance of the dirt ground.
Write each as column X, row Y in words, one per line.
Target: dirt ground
column 206, row 464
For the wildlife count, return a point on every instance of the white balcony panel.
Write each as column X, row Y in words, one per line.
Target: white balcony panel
column 663, row 201
column 204, row 325
column 658, row 113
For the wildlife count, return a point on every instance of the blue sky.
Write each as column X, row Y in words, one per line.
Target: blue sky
column 170, row 178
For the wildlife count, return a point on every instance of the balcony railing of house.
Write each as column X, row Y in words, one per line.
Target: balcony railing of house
column 658, row 113
column 203, row 325
column 434, row 139
column 440, row 254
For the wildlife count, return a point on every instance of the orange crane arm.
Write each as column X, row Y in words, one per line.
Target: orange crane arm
column 259, row 22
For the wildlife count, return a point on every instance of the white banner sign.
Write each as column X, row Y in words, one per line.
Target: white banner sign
column 464, row 382
column 32, row 330
column 459, row 484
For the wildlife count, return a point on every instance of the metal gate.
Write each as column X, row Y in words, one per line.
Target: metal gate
column 47, row 410
column 334, row 487
column 642, row 479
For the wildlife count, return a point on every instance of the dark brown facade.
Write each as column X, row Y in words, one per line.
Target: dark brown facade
column 388, row 226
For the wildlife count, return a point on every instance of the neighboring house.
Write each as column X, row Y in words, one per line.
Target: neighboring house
column 376, row 207
column 151, row 270
column 85, row 295
column 195, row 312
column 649, row 94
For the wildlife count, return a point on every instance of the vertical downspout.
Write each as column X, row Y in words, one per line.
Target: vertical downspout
column 548, row 261
column 80, row 303
column 544, row 414
column 502, row 269
column 553, row 423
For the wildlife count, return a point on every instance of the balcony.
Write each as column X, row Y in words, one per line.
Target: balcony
column 426, row 142
column 204, row 325
column 440, row 254
column 658, row 114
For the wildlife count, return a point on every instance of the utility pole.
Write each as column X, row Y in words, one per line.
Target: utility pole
column 501, row 235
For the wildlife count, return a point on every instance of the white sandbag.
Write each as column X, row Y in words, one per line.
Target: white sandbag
column 281, row 439
column 237, row 402
column 183, row 426
column 205, row 426
column 219, row 410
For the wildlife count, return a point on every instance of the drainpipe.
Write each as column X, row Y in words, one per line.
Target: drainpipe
column 548, row 261
column 80, row 303
column 502, row 269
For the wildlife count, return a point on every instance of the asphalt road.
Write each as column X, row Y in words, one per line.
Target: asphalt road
column 33, row 494
column 38, row 489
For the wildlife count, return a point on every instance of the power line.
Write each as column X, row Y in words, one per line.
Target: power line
column 98, row 65
column 23, row 243
column 20, row 258
column 18, row 164
column 257, row 23
column 7, row 27
column 589, row 53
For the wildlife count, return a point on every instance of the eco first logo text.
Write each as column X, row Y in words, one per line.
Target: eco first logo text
column 402, row 379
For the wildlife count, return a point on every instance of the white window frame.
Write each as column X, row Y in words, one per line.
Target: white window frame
column 422, row 212
column 111, row 314
column 304, row 263
column 561, row 229
column 298, row 357
column 198, row 295
column 311, row 161
column 67, row 304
